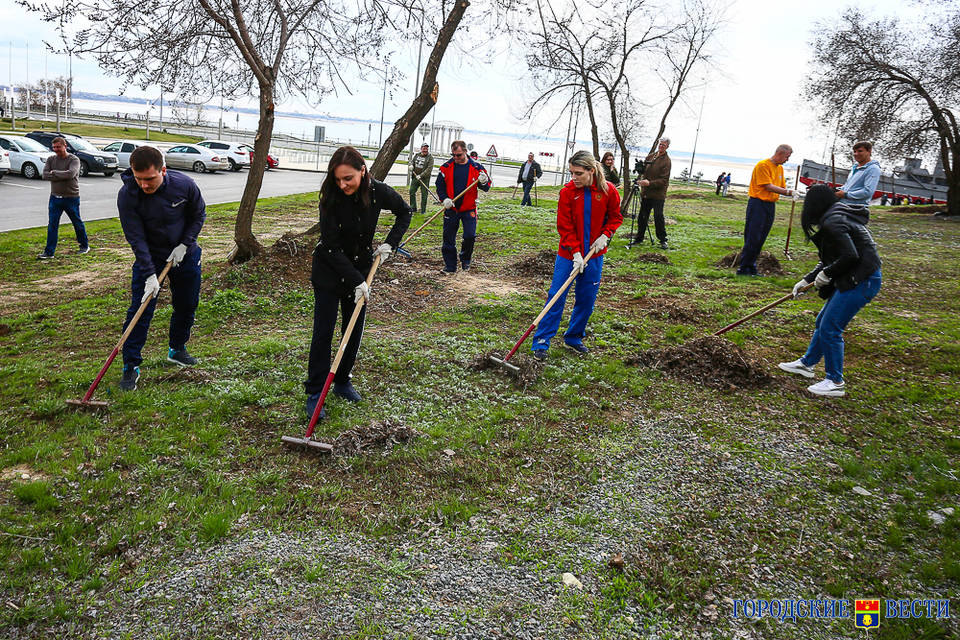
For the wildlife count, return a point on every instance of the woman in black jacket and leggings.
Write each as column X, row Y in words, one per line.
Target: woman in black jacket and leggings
column 847, row 277
column 350, row 204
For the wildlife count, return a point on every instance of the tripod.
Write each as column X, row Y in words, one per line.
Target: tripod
column 632, row 204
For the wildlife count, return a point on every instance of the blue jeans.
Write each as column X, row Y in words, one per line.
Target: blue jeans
column 585, row 289
column 756, row 227
column 527, row 186
column 56, row 208
column 184, row 282
column 451, row 224
column 827, row 340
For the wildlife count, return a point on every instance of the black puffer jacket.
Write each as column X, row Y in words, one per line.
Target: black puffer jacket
column 344, row 254
column 847, row 251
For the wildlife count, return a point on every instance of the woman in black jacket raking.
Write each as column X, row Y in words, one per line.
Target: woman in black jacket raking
column 350, row 204
column 847, row 276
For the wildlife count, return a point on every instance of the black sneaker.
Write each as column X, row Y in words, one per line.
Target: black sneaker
column 180, row 357
column 578, row 347
column 311, row 406
column 85, row 249
column 663, row 245
column 443, row 272
column 346, row 391
column 540, row 355
column 44, row 256
column 465, row 266
column 130, row 377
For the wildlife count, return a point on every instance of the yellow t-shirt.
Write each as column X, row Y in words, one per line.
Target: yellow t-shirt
column 766, row 173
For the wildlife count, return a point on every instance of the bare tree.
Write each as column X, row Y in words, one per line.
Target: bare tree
column 272, row 47
column 903, row 81
column 188, row 112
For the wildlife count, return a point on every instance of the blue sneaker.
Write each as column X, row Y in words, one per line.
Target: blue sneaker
column 540, row 355
column 311, row 406
column 181, row 357
column 577, row 346
column 130, row 376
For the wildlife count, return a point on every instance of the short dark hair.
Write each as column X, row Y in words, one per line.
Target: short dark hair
column 863, row 144
column 59, row 139
column 145, row 157
column 458, row 144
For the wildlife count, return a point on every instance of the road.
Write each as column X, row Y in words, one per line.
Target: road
column 23, row 203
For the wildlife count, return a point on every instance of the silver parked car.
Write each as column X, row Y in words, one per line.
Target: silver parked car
column 123, row 148
column 199, row 159
column 27, row 156
column 237, row 154
column 4, row 162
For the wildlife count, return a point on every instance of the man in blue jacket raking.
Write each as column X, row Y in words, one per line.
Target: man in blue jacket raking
column 862, row 180
column 161, row 213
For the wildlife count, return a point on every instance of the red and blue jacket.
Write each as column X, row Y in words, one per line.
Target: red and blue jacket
column 583, row 214
column 458, row 176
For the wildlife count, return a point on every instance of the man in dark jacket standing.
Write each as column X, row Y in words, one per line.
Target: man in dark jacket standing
column 161, row 213
column 530, row 172
column 656, row 179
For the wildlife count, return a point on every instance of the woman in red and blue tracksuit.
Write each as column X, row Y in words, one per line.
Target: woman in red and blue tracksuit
column 456, row 174
column 588, row 214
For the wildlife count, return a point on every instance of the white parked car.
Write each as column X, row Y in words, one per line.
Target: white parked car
column 123, row 148
column 238, row 155
column 27, row 156
column 4, row 162
column 197, row 158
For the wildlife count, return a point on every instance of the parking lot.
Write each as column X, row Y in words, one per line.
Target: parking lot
column 23, row 203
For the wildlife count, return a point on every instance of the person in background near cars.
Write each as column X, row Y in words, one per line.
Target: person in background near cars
column 609, row 173
column 767, row 184
column 656, row 179
column 350, row 202
column 530, row 172
column 421, row 166
column 719, row 181
column 62, row 170
column 863, row 178
column 847, row 277
column 161, row 213
column 456, row 174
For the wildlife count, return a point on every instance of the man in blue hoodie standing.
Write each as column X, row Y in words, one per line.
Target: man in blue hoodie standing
column 161, row 213
column 862, row 181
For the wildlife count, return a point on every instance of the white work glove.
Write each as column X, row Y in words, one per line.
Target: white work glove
column 448, row 203
column 484, row 178
column 150, row 288
column 176, row 256
column 822, row 280
column 383, row 251
column 794, row 195
column 362, row 292
column 797, row 289
column 600, row 243
column 577, row 263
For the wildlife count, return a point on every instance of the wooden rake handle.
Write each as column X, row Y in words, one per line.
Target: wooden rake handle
column 773, row 304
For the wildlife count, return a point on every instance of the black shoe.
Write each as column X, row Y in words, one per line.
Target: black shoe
column 578, row 347
column 311, row 406
column 540, row 355
column 663, row 245
column 465, row 266
column 45, row 256
column 181, row 357
column 85, row 249
column 346, row 391
column 446, row 272
column 130, row 377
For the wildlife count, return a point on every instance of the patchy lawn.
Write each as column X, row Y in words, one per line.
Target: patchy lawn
column 458, row 498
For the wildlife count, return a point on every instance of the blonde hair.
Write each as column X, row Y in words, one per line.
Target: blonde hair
column 586, row 160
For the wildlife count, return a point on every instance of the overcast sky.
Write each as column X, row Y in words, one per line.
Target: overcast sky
column 749, row 108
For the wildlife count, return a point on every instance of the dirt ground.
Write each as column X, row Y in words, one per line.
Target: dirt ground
column 710, row 361
column 767, row 263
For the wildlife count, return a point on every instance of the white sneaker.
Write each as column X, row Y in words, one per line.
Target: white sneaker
column 827, row 387
column 797, row 366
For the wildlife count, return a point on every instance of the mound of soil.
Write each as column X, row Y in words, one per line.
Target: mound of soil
column 384, row 434
column 687, row 196
column 767, row 263
column 657, row 258
column 5, row 329
column 539, row 265
column 711, row 361
column 530, row 367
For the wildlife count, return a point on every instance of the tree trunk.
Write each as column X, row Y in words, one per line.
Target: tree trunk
column 594, row 132
column 247, row 244
column 421, row 105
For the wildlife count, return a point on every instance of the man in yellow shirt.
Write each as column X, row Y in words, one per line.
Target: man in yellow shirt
column 766, row 187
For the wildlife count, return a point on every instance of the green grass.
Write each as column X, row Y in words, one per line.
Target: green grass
column 97, row 130
column 192, row 460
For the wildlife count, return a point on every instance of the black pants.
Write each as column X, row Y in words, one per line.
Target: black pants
column 646, row 205
column 326, row 304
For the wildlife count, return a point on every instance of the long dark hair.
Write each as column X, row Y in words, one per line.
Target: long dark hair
column 330, row 192
column 819, row 199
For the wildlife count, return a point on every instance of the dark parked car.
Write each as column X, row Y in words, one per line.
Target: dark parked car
column 92, row 160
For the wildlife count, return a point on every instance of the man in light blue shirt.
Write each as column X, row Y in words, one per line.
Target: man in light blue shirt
column 863, row 178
